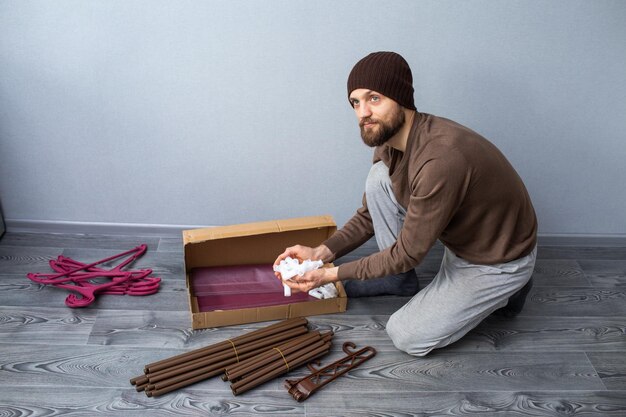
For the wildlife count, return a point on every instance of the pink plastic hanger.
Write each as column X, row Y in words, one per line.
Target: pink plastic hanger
column 139, row 284
column 79, row 278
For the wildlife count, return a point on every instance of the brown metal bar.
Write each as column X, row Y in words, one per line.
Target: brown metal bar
column 226, row 345
column 247, row 366
column 257, row 347
column 246, row 384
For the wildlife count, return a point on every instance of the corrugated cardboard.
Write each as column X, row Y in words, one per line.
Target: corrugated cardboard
column 256, row 243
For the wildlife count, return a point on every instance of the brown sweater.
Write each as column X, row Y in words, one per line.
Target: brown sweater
column 456, row 187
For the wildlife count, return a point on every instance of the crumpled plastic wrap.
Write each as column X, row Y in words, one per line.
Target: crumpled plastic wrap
column 289, row 268
column 325, row 291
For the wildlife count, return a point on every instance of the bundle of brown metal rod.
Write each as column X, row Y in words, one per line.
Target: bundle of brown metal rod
column 188, row 368
column 277, row 361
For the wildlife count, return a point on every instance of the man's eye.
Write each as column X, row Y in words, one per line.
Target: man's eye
column 375, row 98
column 355, row 103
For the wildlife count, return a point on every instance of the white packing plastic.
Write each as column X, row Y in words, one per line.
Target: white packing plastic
column 325, row 291
column 289, row 268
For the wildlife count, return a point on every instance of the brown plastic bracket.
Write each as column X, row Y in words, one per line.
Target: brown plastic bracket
column 301, row 389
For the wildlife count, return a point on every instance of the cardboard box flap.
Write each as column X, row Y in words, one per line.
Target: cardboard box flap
column 300, row 223
column 258, row 228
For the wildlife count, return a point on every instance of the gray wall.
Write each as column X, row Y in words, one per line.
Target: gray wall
column 220, row 112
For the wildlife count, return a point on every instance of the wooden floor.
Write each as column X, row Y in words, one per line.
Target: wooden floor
column 564, row 355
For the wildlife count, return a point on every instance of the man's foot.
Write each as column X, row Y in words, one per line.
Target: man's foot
column 405, row 284
column 516, row 302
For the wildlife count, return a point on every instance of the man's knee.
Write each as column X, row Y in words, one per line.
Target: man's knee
column 378, row 178
column 407, row 339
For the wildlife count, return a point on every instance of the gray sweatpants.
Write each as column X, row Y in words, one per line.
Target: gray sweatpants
column 461, row 295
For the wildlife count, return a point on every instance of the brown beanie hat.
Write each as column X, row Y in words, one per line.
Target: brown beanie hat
column 387, row 73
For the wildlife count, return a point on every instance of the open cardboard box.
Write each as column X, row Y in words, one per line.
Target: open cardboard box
column 251, row 244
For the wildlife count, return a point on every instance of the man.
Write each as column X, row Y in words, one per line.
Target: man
column 432, row 179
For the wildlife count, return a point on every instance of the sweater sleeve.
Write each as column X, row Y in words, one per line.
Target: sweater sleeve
column 437, row 191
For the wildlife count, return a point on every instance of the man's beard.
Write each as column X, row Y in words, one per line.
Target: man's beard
column 384, row 131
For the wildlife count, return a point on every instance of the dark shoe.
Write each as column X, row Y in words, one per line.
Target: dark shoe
column 405, row 284
column 516, row 302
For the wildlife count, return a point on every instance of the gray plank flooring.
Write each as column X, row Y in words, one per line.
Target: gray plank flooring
column 564, row 355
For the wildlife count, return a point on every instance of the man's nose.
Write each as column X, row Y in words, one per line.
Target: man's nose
column 364, row 111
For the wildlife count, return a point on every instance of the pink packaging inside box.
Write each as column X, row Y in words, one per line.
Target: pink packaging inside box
column 241, row 286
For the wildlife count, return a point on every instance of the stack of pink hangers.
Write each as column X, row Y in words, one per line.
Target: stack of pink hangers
column 86, row 279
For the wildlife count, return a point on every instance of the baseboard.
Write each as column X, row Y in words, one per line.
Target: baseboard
column 591, row 240
column 98, row 228
column 140, row 229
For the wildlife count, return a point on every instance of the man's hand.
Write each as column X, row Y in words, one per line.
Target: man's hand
column 302, row 253
column 312, row 279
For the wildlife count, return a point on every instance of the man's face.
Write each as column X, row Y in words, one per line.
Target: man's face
column 379, row 117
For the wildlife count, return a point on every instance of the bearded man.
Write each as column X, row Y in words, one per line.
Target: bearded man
column 431, row 179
